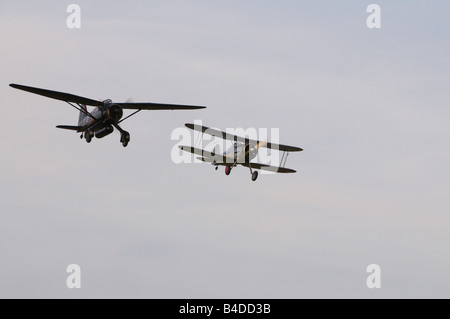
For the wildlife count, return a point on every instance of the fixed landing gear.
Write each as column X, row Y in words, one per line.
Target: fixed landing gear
column 124, row 135
column 253, row 173
column 217, row 167
column 124, row 138
column 88, row 136
column 106, row 130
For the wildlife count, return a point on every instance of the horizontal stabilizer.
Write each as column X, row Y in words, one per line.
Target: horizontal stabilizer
column 70, row 127
column 209, row 160
column 195, row 150
column 208, row 156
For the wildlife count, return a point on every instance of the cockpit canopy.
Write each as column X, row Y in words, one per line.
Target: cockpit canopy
column 235, row 147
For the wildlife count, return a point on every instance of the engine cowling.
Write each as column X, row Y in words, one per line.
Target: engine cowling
column 104, row 131
column 113, row 113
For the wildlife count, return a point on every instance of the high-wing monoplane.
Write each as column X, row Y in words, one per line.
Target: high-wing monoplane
column 105, row 116
column 241, row 153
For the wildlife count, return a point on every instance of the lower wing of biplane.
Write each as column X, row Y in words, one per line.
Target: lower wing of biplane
column 240, row 155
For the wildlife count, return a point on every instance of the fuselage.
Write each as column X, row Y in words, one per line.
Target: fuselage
column 102, row 119
column 241, row 153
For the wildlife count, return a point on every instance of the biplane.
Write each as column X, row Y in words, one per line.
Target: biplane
column 105, row 116
column 241, row 153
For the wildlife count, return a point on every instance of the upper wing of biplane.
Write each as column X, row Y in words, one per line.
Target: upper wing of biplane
column 228, row 136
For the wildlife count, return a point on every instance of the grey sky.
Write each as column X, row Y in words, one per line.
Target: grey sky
column 370, row 108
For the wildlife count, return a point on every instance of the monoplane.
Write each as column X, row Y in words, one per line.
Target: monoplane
column 105, row 116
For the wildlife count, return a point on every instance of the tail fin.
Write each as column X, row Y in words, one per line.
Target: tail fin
column 82, row 115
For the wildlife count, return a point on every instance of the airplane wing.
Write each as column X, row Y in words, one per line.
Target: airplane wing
column 157, row 106
column 269, row 168
column 82, row 100
column 67, row 97
column 228, row 136
column 264, row 167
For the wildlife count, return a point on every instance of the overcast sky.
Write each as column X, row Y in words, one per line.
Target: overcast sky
column 370, row 107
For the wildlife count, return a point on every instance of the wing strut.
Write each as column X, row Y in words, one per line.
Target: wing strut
column 199, row 140
column 81, row 110
column 129, row 116
column 284, row 157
